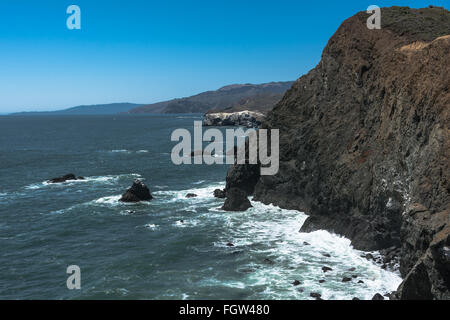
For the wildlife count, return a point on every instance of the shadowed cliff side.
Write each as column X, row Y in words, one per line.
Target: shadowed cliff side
column 364, row 143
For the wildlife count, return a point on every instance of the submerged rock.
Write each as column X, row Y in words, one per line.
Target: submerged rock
column 326, row 269
column 296, row 283
column 346, row 279
column 236, row 201
column 137, row 192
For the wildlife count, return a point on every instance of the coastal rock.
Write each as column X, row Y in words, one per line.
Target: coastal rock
column 326, row 269
column 137, row 192
column 364, row 144
column 220, row 194
column 377, row 296
column 191, row 195
column 236, row 200
column 316, row 295
column 245, row 118
column 296, row 283
column 244, row 177
column 65, row 178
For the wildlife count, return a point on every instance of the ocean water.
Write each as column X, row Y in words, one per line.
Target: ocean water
column 169, row 248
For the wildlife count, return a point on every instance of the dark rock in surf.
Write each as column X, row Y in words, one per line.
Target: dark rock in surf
column 65, row 178
column 326, row 269
column 236, row 201
column 191, row 195
column 316, row 295
column 220, row 194
column 346, row 279
column 378, row 296
column 296, row 283
column 229, row 244
column 138, row 192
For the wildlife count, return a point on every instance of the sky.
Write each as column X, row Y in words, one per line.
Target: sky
column 150, row 51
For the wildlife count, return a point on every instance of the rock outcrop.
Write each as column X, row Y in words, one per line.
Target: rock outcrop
column 65, row 178
column 365, row 144
column 221, row 194
column 245, row 118
column 136, row 193
column 236, row 200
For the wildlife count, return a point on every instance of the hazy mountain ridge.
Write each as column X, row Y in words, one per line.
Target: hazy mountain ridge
column 226, row 97
column 97, row 109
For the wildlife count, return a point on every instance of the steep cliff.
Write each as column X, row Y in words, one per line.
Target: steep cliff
column 364, row 144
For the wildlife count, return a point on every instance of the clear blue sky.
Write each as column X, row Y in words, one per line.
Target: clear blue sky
column 148, row 51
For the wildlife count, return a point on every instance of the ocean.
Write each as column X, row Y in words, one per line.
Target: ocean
column 172, row 247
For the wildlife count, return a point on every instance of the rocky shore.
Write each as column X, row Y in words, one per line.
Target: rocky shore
column 365, row 145
column 249, row 119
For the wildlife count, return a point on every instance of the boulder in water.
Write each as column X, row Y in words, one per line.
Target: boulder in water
column 378, row 296
column 137, row 192
column 191, row 195
column 65, row 178
column 236, row 200
column 220, row 194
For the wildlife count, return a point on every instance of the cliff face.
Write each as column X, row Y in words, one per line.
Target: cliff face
column 364, row 143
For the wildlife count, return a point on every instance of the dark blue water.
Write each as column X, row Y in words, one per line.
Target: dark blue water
column 145, row 251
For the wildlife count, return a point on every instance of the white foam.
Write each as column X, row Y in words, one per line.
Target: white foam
column 151, row 226
column 120, row 151
column 204, row 195
column 271, row 232
column 108, row 179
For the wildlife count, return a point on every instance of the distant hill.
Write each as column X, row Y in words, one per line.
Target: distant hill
column 111, row 108
column 234, row 97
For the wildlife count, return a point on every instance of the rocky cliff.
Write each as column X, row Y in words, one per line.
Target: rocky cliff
column 249, row 119
column 364, row 144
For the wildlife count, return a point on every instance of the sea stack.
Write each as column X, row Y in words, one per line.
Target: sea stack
column 236, row 200
column 136, row 193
